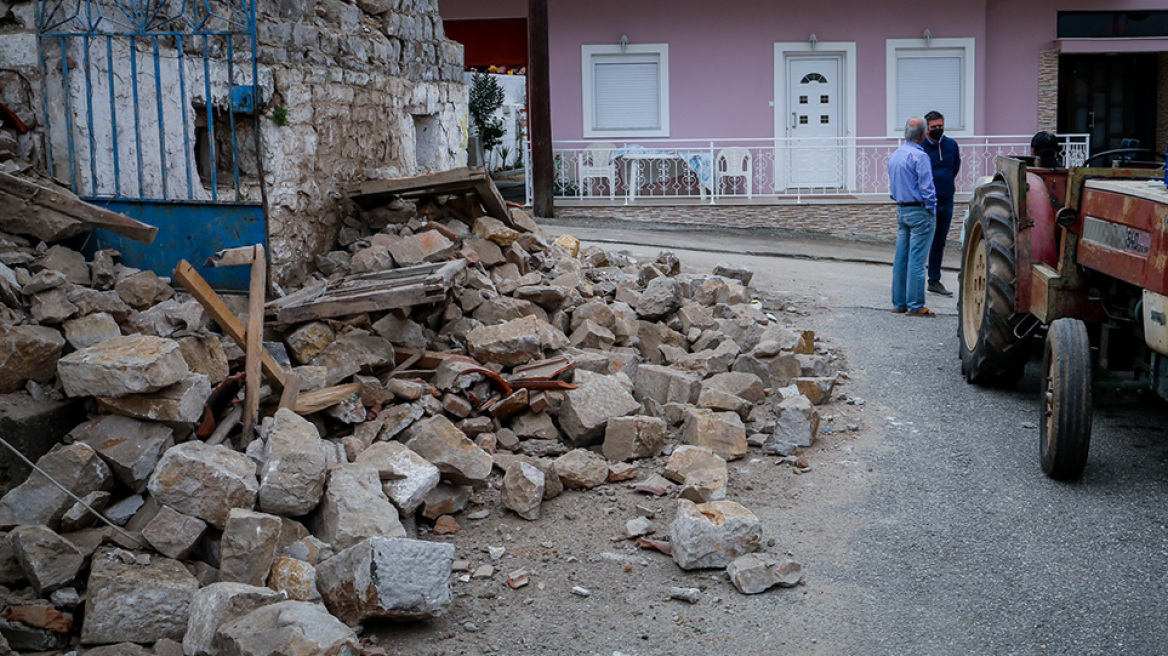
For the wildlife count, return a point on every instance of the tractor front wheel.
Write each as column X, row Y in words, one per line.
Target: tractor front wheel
column 1065, row 429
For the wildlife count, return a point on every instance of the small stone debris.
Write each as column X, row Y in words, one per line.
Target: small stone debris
column 711, row 535
column 757, row 573
column 518, row 578
column 581, row 591
column 688, row 595
column 635, row 528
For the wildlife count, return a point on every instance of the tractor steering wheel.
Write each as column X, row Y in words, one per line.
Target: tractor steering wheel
column 1124, row 151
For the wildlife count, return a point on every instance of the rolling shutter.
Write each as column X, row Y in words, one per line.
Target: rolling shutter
column 627, row 93
column 933, row 82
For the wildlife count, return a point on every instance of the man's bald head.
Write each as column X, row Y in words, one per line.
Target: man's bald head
column 914, row 130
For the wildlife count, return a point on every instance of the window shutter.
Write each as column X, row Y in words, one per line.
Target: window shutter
column 930, row 83
column 627, row 96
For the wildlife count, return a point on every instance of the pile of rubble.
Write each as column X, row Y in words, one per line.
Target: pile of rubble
column 533, row 367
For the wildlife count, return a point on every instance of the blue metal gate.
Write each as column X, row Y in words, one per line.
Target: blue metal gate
column 150, row 108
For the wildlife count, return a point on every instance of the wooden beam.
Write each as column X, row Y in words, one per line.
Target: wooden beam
column 291, row 392
column 317, row 400
column 255, row 345
column 539, row 102
column 232, row 257
column 51, row 213
column 202, row 292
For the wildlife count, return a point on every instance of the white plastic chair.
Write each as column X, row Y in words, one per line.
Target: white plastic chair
column 596, row 163
column 734, row 163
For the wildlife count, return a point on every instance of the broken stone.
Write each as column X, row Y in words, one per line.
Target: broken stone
column 390, row 578
column 204, row 481
column 134, row 601
column 355, row 508
column 688, row 595
column 446, row 525
column 204, row 355
column 143, row 290
column 123, row 511
column 48, row 560
column 798, row 424
column 586, row 410
column 91, row 329
column 79, row 517
column 428, row 246
column 548, row 297
column 287, row 627
column 352, row 353
column 817, row 390
column 493, row 229
column 27, row 353
column 741, row 274
column 445, row 499
column 293, row 473
column 632, row 438
column 68, row 261
column 488, row 251
column 581, row 469
column 661, row 297
column 711, row 535
column 700, row 470
column 814, row 366
column 174, row 534
column 515, row 342
column 592, row 335
column 308, row 341
column 456, row 405
column 666, row 385
column 182, row 402
column 401, row 332
column 295, row 578
column 652, row 336
column 755, row 573
column 217, row 604
column 717, row 400
column 523, row 489
column 369, row 260
column 636, row 527
column 134, row 364
column 746, row 386
column 720, row 432
column 248, row 546
column 406, row 476
column 38, row 501
column 130, row 447
column 441, row 442
column 495, row 311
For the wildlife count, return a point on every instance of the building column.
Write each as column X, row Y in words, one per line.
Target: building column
column 1048, row 76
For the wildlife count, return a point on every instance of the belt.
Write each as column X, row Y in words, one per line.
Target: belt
column 916, row 204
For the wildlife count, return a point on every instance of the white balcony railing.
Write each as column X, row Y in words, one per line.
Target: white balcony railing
column 741, row 170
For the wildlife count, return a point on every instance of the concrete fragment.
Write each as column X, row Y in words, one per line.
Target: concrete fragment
column 354, row 508
column 295, row 578
column 755, row 573
column 132, row 601
column 133, row 364
column 27, row 353
column 406, row 477
column 711, row 535
column 204, row 481
column 293, row 473
column 515, row 342
column 632, row 438
column 390, row 578
column 174, row 534
column 798, row 424
column 721, row 432
column 219, row 604
column 38, row 501
column 441, row 442
column 182, row 402
column 586, row 410
column 143, row 290
column 309, row 340
column 581, row 468
column 48, row 560
column 700, row 470
column 523, row 489
column 248, row 546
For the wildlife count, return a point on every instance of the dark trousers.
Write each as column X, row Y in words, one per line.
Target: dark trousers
column 940, row 235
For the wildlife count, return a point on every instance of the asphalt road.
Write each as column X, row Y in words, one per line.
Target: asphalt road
column 937, row 533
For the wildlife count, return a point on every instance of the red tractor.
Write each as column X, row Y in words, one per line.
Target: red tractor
column 1080, row 254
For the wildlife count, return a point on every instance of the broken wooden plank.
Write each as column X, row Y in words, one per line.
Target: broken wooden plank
column 317, row 400
column 51, row 213
column 291, row 391
column 476, row 180
column 371, row 302
column 492, row 201
column 202, row 292
column 255, row 343
column 232, row 257
column 426, row 359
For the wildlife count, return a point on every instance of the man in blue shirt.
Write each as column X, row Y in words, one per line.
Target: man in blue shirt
column 946, row 159
column 910, row 178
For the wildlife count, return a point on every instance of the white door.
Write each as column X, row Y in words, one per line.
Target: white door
column 814, row 122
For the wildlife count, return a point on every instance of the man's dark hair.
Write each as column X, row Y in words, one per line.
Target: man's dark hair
column 934, row 115
column 1045, row 146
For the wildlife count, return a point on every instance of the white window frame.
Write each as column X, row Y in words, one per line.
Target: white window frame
column 590, row 55
column 939, row 48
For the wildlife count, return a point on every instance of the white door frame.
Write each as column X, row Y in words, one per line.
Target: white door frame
column 846, row 50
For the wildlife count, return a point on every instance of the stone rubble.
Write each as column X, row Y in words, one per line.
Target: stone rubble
column 308, row 527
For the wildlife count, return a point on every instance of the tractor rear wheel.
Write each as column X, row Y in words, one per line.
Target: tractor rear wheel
column 1065, row 434
column 993, row 349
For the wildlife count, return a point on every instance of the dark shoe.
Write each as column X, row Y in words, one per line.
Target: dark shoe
column 936, row 287
column 897, row 310
column 923, row 312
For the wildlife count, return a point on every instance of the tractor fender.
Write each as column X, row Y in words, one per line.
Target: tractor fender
column 1041, row 213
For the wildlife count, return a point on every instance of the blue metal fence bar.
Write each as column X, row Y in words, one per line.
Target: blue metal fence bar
column 68, row 114
column 161, row 33
column 182, row 84
column 210, row 119
column 137, row 118
column 231, row 117
column 109, row 56
column 89, row 119
column 161, row 120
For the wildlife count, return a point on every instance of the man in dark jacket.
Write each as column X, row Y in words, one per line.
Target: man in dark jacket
column 946, row 159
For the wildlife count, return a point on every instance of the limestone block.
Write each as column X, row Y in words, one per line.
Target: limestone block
column 523, row 489
column 692, row 316
column 667, row 385
column 354, row 508
column 295, row 578
column 79, row 517
column 133, row 364
column 174, row 534
column 39, row 501
column 515, row 342
column 661, row 297
column 586, row 410
column 287, row 627
column 494, row 311
column 205, row 355
column 817, row 390
column 67, row 261
column 204, row 481
column 308, row 341
column 494, row 230
column 428, row 246
column 370, row 260
column 720, row 401
column 406, row 477
column 652, row 336
column 390, row 578
column 353, row 352
column 89, row 301
column 592, row 335
column 710, row 361
column 739, row 273
column 759, row 572
column 700, row 470
column 449, row 449
column 596, row 311
column 248, row 546
column 217, row 604
column 130, row 447
column 797, row 425
column 632, row 438
column 293, row 473
column 535, row 426
column 182, row 402
column 712, row 535
column 581, row 469
column 91, row 329
column 48, row 560
column 143, row 290
column 721, row 432
column 446, row 499
column 129, row 601
column 743, row 385
column 27, row 353
column 401, row 332
column 488, row 251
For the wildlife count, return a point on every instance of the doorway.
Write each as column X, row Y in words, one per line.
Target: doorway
column 815, row 117
column 1111, row 97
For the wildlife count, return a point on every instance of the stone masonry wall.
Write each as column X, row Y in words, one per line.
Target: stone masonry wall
column 1048, row 73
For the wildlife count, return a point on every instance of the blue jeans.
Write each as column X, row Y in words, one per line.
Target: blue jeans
column 940, row 236
column 914, row 237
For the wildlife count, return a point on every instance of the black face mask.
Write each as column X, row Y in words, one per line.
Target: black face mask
column 935, row 135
